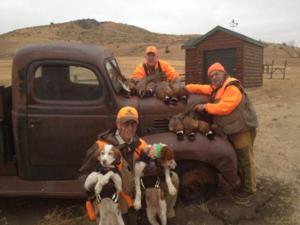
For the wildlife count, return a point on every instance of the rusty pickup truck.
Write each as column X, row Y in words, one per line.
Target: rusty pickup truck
column 61, row 96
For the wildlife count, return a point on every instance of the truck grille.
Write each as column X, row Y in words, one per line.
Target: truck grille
column 160, row 125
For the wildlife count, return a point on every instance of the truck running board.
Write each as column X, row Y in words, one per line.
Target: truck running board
column 12, row 186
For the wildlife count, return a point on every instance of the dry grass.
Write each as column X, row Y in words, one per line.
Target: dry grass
column 128, row 64
column 277, row 104
column 74, row 215
column 122, row 39
column 5, row 72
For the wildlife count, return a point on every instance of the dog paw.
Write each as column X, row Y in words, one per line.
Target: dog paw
column 104, row 181
column 119, row 188
column 91, row 180
column 172, row 190
column 109, row 174
column 137, row 204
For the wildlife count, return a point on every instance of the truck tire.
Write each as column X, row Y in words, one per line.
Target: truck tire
column 198, row 181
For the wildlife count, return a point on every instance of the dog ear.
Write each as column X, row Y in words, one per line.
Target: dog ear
column 117, row 154
column 100, row 147
column 167, row 154
column 97, row 153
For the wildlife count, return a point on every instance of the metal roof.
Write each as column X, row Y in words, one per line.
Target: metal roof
column 192, row 43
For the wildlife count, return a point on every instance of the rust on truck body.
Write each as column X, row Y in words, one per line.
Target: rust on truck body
column 51, row 136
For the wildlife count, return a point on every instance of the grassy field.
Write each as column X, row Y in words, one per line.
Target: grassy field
column 276, row 102
column 127, row 65
column 5, row 71
column 277, row 158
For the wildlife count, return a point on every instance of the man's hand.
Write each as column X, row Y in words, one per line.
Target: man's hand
column 150, row 151
column 200, row 107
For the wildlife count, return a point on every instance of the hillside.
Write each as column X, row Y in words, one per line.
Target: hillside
column 127, row 42
column 122, row 39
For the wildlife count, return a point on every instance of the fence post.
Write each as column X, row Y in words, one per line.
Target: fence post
column 272, row 65
column 285, row 64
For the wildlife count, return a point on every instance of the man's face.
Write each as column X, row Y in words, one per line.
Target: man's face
column 151, row 59
column 127, row 129
column 217, row 78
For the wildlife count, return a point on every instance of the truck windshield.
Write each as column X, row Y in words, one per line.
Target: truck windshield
column 116, row 77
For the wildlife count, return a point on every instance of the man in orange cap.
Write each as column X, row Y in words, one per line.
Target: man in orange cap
column 154, row 66
column 233, row 112
column 123, row 136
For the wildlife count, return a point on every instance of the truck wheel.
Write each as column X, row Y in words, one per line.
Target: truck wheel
column 198, row 182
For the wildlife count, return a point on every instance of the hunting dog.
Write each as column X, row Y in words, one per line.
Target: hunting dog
column 107, row 184
column 163, row 156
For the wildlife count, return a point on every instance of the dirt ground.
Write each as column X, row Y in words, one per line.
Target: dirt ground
column 277, row 155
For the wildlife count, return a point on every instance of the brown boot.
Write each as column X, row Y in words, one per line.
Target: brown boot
column 242, row 198
column 244, row 194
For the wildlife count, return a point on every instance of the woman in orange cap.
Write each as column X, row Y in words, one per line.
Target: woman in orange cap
column 153, row 65
column 233, row 112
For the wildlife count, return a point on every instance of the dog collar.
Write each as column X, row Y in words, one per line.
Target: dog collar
column 114, row 197
column 158, row 150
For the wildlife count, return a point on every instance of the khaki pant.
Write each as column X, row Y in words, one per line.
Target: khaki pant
column 243, row 145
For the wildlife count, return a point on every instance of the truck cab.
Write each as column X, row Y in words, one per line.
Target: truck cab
column 61, row 97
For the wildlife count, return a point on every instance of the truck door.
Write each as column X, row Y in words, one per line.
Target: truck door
column 68, row 105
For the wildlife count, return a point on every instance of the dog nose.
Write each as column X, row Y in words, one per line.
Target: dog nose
column 104, row 162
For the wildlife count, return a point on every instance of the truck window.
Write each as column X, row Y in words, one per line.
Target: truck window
column 65, row 82
column 115, row 75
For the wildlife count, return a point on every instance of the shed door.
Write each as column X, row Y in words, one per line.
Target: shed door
column 227, row 57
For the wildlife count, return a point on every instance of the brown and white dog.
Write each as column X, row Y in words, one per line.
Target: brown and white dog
column 155, row 199
column 106, row 172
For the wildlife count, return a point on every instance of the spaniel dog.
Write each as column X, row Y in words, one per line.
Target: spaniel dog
column 107, row 184
column 159, row 156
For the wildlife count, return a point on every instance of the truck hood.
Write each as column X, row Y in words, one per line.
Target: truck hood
column 219, row 153
column 152, row 105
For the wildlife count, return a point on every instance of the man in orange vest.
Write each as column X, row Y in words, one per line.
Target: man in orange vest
column 233, row 112
column 123, row 136
column 154, row 66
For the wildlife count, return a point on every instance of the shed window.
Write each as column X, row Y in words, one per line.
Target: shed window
column 67, row 83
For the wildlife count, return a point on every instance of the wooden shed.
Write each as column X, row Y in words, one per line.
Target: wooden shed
column 241, row 56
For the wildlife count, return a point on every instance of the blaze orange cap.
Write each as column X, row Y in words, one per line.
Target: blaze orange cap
column 215, row 67
column 151, row 49
column 127, row 113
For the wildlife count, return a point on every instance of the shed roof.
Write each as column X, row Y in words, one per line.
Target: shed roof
column 192, row 43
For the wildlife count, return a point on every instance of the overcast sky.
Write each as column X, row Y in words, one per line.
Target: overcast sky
column 267, row 20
